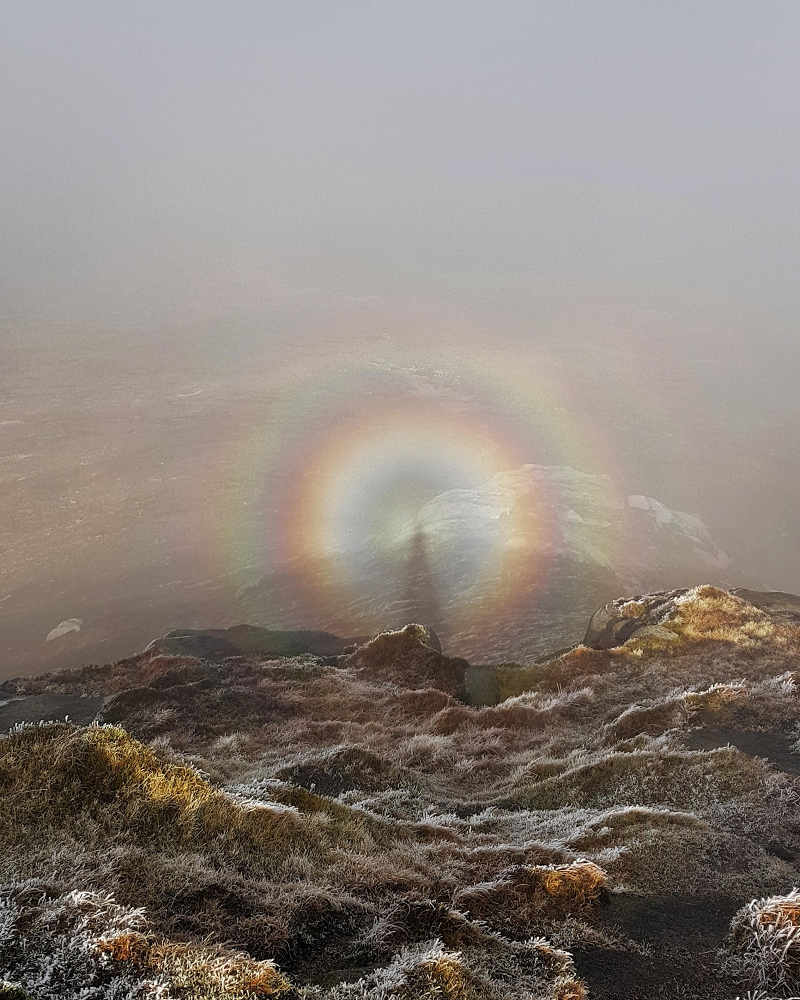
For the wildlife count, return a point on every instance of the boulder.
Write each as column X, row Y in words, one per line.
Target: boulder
column 628, row 617
column 215, row 644
column 781, row 607
column 50, row 707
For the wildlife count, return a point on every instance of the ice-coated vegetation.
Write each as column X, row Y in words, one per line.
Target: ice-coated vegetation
column 353, row 828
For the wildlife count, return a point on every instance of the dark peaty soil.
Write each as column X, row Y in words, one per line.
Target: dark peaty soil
column 684, row 933
column 49, row 708
column 776, row 747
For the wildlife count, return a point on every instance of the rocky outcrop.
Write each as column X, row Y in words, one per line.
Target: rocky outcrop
column 576, row 515
column 505, row 570
column 215, row 644
column 779, row 606
column 620, row 620
column 49, row 708
column 351, row 814
column 411, row 657
column 649, row 615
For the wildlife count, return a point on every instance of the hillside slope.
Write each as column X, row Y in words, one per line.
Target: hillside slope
column 384, row 822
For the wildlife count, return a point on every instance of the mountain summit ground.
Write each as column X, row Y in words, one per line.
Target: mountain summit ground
column 261, row 814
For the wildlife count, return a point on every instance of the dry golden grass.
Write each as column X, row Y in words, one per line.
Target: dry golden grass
column 575, row 887
column 525, row 896
column 440, row 975
column 394, row 817
column 765, row 939
column 129, row 947
column 576, row 667
column 210, row 973
column 571, row 989
column 59, row 775
column 708, row 613
column 198, row 973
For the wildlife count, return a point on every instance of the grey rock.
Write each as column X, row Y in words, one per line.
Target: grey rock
column 628, row 617
column 645, row 615
column 50, row 708
column 505, row 570
column 215, row 644
column 781, row 607
column 599, row 628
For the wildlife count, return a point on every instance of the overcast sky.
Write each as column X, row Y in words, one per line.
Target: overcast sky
column 647, row 149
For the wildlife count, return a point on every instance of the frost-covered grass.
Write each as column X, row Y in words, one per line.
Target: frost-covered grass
column 765, row 940
column 350, row 830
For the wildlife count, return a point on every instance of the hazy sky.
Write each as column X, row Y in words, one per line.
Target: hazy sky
column 645, row 152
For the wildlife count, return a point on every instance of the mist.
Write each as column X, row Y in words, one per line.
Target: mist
column 234, row 232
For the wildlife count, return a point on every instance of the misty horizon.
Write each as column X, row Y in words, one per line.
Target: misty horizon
column 257, row 254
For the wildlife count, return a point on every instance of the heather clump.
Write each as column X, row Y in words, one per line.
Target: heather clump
column 84, row 943
column 412, row 657
column 708, row 613
column 353, row 825
column 527, row 897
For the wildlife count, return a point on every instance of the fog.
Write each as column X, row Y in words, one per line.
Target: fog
column 233, row 232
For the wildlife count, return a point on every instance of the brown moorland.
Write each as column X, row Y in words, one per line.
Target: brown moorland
column 617, row 822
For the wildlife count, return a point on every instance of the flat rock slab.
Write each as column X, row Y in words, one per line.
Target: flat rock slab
column 780, row 606
column 49, row 708
column 215, row 644
column 774, row 746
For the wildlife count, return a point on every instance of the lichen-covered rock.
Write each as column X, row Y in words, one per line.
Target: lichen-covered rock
column 702, row 612
column 618, row 621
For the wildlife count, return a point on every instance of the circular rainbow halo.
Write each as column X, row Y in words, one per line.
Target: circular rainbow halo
column 369, row 476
